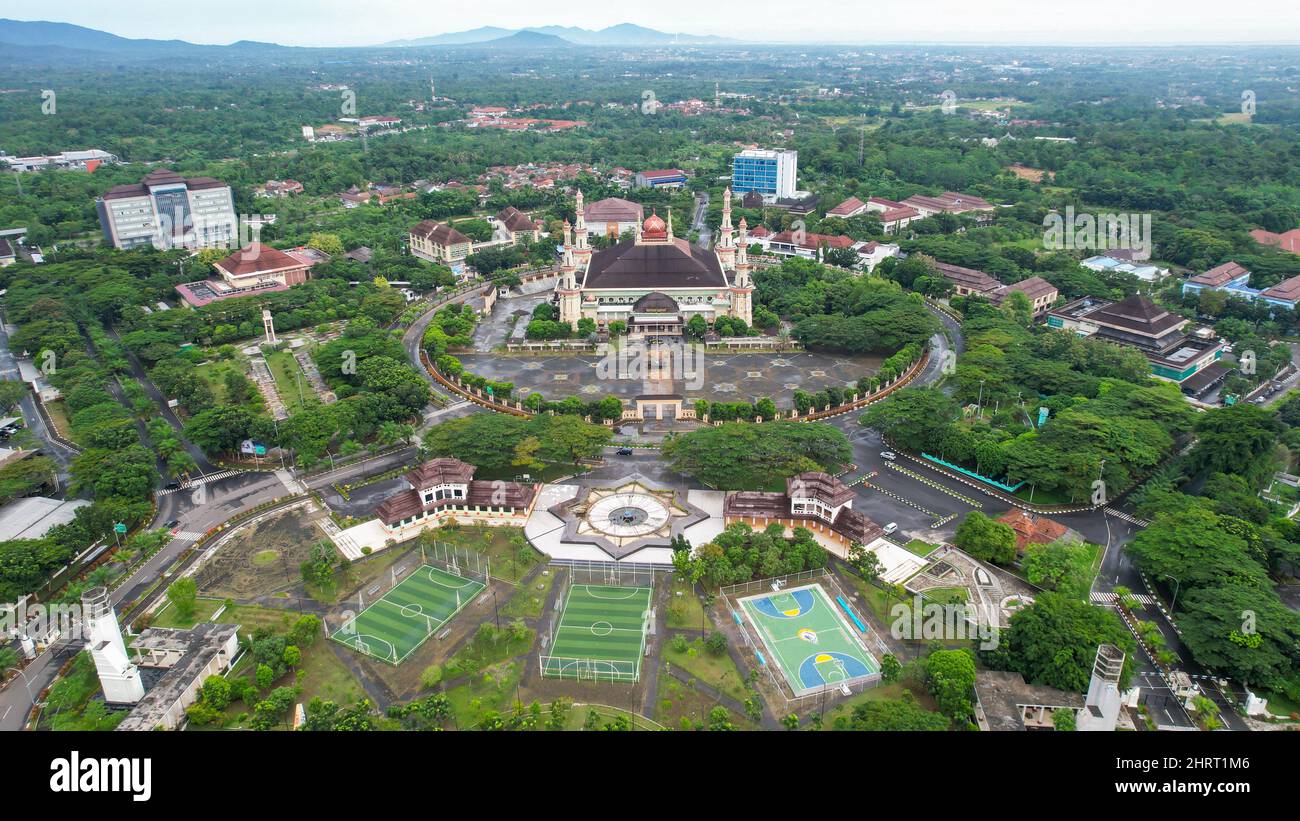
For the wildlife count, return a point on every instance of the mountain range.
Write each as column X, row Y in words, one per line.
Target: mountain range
column 623, row 34
column 22, row 38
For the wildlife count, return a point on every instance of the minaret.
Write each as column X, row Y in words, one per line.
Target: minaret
column 670, row 223
column 726, row 246
column 742, row 288
column 581, row 251
column 567, row 287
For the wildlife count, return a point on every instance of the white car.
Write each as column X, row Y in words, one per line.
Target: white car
column 891, row 527
column 888, row 455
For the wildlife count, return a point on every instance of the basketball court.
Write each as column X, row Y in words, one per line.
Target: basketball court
column 807, row 637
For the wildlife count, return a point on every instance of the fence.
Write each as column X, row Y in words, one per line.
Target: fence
column 765, row 585
column 732, row 594
column 611, row 574
column 459, row 561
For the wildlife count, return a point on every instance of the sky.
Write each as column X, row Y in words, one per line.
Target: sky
column 369, row 22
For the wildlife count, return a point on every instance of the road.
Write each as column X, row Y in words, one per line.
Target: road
column 699, row 222
column 197, row 512
column 205, row 466
column 61, row 454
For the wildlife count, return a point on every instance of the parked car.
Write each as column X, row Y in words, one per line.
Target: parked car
column 888, row 455
column 891, row 527
column 624, row 451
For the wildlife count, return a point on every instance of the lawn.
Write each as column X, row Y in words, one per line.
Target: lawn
column 528, row 601
column 169, row 617
column 59, row 416
column 685, row 610
column 505, row 548
column 883, row 692
column 682, row 707
column 214, row 371
column 290, row 382
column 920, row 547
column 492, row 690
column 718, row 672
column 947, row 595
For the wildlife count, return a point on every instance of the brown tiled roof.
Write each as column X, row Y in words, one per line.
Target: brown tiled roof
column 896, row 214
column 515, row 220
column 950, row 202
column 1287, row 241
column 258, row 259
column 1287, row 290
column 6, row 250
column 1031, row 528
column 1034, row 288
column 850, row 206
column 857, row 527
column 814, row 240
column 821, row 486
column 613, row 209
column 442, row 471
column 967, row 277
column 1137, row 313
column 399, row 506
column 500, row 494
column 679, row 264
column 439, row 234
column 756, row 504
column 1219, row 276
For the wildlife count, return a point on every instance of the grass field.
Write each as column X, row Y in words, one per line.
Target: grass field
column 600, row 635
column 808, row 639
column 392, row 628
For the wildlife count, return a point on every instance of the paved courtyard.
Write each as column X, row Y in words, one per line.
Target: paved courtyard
column 723, row 376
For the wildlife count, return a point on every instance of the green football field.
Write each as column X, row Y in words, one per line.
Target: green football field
column 601, row 634
column 807, row 638
column 392, row 627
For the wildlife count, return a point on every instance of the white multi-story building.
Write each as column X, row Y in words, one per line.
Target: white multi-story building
column 169, row 211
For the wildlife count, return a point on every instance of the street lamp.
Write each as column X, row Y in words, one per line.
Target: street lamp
column 1174, row 601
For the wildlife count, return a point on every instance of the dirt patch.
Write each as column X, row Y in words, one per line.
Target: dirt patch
column 261, row 559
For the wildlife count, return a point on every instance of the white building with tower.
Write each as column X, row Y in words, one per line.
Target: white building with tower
column 118, row 675
column 1102, row 705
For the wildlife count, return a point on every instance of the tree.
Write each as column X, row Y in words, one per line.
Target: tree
column 890, row 668
column 183, row 595
column 292, row 656
column 913, row 418
column 1063, row 719
column 739, row 456
column 790, row 721
column 950, row 675
column 1054, row 642
column 263, row 676
column 986, row 539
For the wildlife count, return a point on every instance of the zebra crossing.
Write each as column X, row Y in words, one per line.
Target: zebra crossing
column 187, row 535
column 202, row 480
column 1098, row 597
column 1133, row 520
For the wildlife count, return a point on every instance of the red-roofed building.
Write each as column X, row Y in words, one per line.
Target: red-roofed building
column 445, row 488
column 851, row 207
column 439, row 243
column 1288, row 241
column 804, row 244
column 1032, row 528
